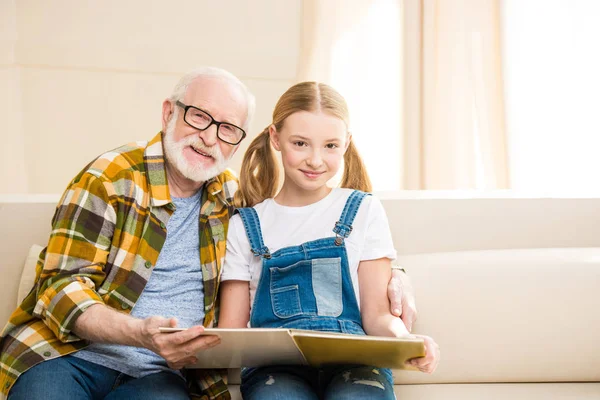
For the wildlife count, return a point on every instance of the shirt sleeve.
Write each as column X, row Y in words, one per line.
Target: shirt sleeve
column 75, row 258
column 238, row 254
column 378, row 237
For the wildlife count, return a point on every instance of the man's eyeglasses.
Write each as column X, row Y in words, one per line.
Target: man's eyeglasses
column 201, row 120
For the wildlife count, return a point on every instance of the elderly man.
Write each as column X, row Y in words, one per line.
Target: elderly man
column 139, row 234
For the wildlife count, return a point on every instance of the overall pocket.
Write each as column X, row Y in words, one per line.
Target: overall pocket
column 309, row 287
column 284, row 288
column 327, row 286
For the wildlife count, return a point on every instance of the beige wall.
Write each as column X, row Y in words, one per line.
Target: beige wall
column 12, row 150
column 85, row 77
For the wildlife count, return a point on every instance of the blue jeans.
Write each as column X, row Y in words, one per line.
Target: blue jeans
column 307, row 383
column 73, row 378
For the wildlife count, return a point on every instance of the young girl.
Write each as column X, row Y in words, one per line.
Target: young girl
column 308, row 254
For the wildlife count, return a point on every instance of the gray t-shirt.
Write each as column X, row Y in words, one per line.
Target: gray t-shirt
column 175, row 289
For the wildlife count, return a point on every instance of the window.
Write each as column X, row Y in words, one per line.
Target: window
column 552, row 91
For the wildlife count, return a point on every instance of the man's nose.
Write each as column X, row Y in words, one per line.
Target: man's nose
column 209, row 135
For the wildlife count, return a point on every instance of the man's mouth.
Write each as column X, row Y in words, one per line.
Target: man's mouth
column 202, row 153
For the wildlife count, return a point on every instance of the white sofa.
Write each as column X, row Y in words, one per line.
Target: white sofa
column 509, row 288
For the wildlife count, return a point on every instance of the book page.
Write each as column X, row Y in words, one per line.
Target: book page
column 248, row 347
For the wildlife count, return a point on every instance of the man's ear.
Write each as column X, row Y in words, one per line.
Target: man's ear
column 167, row 113
column 274, row 135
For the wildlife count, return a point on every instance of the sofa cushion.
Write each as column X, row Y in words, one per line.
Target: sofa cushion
column 498, row 391
column 28, row 273
column 515, row 315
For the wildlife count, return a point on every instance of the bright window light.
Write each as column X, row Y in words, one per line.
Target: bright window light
column 366, row 69
column 552, row 91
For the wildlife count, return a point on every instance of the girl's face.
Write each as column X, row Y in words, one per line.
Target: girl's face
column 312, row 148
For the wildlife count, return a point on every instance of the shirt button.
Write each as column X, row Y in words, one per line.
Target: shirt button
column 162, row 225
column 124, row 306
column 148, row 264
column 47, row 354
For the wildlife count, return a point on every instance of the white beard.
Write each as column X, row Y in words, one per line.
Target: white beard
column 174, row 154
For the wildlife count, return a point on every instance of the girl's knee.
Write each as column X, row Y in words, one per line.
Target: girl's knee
column 362, row 382
column 277, row 385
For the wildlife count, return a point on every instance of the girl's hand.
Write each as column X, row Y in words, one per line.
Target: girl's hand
column 429, row 363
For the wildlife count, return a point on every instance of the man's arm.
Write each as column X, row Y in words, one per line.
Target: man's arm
column 402, row 298
column 103, row 324
column 75, row 258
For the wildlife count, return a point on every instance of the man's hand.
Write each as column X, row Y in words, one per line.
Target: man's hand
column 178, row 348
column 429, row 363
column 402, row 299
column 102, row 324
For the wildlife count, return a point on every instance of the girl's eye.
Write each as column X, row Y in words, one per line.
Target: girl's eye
column 331, row 146
column 300, row 143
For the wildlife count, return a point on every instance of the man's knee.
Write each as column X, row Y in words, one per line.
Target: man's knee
column 45, row 380
column 161, row 385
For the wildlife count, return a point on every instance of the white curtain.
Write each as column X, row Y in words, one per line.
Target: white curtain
column 423, row 80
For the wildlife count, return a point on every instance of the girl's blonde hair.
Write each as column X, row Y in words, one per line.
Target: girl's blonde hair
column 259, row 175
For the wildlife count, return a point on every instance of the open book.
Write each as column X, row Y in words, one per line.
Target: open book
column 254, row 347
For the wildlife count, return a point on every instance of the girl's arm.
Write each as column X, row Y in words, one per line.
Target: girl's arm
column 235, row 304
column 373, row 279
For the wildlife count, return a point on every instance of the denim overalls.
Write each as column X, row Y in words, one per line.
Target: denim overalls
column 309, row 287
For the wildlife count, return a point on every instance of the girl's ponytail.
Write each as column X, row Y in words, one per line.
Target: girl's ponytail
column 355, row 173
column 259, row 173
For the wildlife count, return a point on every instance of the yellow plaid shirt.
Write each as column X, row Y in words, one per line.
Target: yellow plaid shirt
column 107, row 232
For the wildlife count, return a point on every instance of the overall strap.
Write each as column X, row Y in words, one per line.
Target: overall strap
column 253, row 231
column 343, row 227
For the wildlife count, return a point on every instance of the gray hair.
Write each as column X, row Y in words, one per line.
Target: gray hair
column 181, row 88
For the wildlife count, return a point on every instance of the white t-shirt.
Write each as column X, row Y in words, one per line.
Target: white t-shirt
column 284, row 226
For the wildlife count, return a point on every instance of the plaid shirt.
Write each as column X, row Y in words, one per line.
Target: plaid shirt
column 107, row 232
